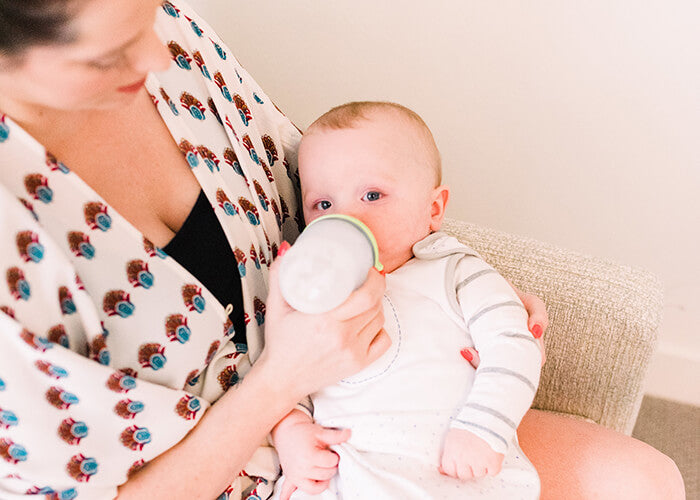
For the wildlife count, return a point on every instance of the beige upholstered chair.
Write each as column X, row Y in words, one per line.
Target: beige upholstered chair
column 604, row 321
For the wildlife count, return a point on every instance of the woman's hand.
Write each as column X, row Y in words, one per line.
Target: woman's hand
column 310, row 351
column 537, row 323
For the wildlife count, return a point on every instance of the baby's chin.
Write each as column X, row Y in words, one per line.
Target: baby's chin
column 393, row 262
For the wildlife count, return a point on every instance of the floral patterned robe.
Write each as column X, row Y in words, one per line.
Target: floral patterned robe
column 110, row 351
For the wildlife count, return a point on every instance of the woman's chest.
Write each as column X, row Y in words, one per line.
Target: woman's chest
column 137, row 168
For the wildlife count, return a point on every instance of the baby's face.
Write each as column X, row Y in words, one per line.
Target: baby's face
column 371, row 172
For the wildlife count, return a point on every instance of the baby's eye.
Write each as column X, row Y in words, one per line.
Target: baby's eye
column 323, row 205
column 372, row 196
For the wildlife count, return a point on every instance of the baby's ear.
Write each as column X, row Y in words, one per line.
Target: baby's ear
column 438, row 203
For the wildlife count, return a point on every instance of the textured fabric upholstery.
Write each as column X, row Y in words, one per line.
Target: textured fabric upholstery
column 604, row 321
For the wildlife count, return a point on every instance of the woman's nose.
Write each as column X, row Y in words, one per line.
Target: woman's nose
column 149, row 55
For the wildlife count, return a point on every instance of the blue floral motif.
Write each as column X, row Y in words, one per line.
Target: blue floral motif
column 23, row 289
column 87, row 250
column 182, row 333
column 198, row 31
column 145, row 279
column 182, row 62
column 220, row 51
column 103, row 221
column 135, row 406
column 124, row 308
column 170, row 9
column 228, row 208
column 196, row 113
column 173, row 108
column 17, row 452
column 4, row 131
column 45, row 194
column 192, row 159
column 68, row 306
column 35, row 251
column 198, row 302
column 103, row 357
column 157, row 361
column 8, row 419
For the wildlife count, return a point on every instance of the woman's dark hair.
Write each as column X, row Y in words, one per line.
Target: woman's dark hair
column 24, row 23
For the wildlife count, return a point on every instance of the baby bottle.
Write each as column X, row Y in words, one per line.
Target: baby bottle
column 329, row 260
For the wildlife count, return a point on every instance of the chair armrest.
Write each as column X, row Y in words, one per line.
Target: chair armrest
column 604, row 321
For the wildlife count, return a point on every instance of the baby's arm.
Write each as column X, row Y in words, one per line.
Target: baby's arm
column 303, row 448
column 506, row 380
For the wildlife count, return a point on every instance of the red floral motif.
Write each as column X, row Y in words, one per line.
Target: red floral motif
column 187, row 407
column 76, row 468
column 57, row 335
column 135, row 467
column 212, row 350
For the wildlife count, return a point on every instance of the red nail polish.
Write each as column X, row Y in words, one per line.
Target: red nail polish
column 284, row 246
column 467, row 354
column 537, row 330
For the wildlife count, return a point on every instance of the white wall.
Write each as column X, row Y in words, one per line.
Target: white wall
column 576, row 123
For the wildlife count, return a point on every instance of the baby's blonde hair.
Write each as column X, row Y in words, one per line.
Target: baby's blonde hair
column 349, row 114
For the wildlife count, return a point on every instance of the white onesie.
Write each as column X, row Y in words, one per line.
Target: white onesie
column 400, row 408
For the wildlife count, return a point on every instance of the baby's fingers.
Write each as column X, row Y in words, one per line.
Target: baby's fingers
column 329, row 436
column 448, row 467
column 466, row 473
column 287, row 489
column 493, row 470
column 320, row 474
column 313, row 487
column 472, row 472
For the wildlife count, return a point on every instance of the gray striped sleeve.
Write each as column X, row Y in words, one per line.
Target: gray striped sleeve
column 492, row 308
column 523, row 336
column 492, row 412
column 485, row 429
column 307, row 407
column 474, row 276
column 507, row 371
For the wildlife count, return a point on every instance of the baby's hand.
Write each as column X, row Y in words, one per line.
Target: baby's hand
column 467, row 456
column 305, row 457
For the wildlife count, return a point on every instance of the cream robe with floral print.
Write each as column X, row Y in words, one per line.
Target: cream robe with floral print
column 110, row 351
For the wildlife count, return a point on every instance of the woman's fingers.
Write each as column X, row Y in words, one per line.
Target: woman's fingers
column 362, row 299
column 540, row 342
column 379, row 345
column 471, row 355
column 537, row 321
column 275, row 300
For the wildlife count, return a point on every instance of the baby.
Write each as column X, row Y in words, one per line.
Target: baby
column 419, row 422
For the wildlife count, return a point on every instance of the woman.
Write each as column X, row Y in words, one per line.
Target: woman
column 120, row 141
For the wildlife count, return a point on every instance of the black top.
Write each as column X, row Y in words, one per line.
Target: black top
column 201, row 247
